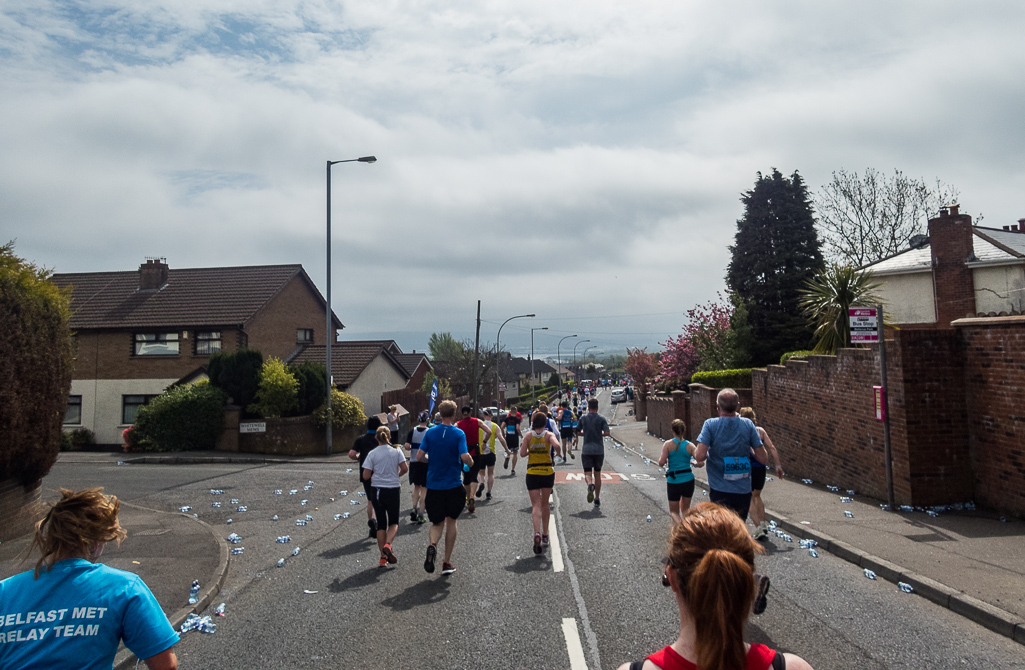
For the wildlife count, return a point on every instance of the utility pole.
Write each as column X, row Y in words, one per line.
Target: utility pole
column 476, row 355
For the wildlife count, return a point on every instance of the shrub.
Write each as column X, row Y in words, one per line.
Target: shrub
column 804, row 353
column 719, row 379
column 237, row 374
column 312, row 379
column 182, row 418
column 77, row 439
column 278, row 391
column 35, row 368
column 346, row 409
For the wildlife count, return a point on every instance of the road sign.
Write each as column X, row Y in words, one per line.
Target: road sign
column 253, row 427
column 501, row 386
column 864, row 325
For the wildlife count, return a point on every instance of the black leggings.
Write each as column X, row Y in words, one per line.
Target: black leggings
column 386, row 507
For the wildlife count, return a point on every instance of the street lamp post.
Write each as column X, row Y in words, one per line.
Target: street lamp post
column 575, row 345
column 498, row 347
column 329, row 333
column 558, row 357
column 532, row 385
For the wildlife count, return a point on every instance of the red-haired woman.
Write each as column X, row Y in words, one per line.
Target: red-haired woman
column 710, row 569
column 72, row 612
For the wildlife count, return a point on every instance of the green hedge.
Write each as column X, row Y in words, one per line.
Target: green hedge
column 804, row 353
column 346, row 410
column 185, row 417
column 540, row 393
column 719, row 379
column 77, row 439
column 237, row 374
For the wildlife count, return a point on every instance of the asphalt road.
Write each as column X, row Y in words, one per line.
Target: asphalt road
column 594, row 601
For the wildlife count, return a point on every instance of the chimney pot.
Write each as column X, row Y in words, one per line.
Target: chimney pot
column 954, row 209
column 944, row 211
column 1021, row 225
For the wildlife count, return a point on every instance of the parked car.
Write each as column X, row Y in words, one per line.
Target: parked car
column 618, row 395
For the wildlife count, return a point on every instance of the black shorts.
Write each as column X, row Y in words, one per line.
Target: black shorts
column 677, row 491
column 590, row 462
column 418, row 473
column 535, row 482
column 738, row 502
column 488, row 460
column 471, row 476
column 757, row 478
column 395, row 437
column 566, row 433
column 386, row 506
column 444, row 504
column 367, row 488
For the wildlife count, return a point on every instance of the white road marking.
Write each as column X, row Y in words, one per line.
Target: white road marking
column 585, row 620
column 573, row 646
column 556, row 546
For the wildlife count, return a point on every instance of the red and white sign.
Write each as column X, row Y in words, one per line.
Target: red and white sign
column 864, row 325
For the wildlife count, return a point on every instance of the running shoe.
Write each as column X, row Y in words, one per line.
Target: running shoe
column 390, row 555
column 544, row 542
column 590, row 493
column 471, row 505
column 383, row 563
column 597, row 502
column 488, row 496
column 506, row 466
column 412, row 516
column 372, row 523
column 513, row 472
column 422, row 518
column 480, row 491
column 760, row 533
column 762, row 588
column 447, row 568
column 572, row 455
column 432, row 553
column 537, row 543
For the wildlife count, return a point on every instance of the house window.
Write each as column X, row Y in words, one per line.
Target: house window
column 304, row 336
column 208, row 343
column 130, row 405
column 155, row 344
column 73, row 414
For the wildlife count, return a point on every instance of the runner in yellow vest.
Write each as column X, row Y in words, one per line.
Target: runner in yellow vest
column 487, row 451
column 538, row 446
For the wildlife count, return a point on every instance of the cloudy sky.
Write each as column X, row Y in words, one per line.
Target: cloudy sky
column 579, row 160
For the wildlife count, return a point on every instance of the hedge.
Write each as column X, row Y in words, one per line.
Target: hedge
column 35, row 368
column 346, row 409
column 237, row 374
column 540, row 393
column 803, row 353
column 183, row 417
column 312, row 386
column 720, row 379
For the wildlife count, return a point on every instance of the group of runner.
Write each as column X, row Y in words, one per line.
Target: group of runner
column 452, row 464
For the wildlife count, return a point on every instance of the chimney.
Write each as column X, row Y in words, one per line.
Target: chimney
column 1021, row 225
column 950, row 240
column 153, row 274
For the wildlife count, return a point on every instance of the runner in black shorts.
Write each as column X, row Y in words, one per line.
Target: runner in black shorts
column 417, row 470
column 594, row 428
column 537, row 448
column 363, row 445
column 565, row 421
column 676, row 455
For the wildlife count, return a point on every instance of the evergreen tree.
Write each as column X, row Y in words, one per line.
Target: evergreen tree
column 776, row 251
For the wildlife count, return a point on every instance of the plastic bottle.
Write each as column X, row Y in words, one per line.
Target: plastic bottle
column 194, row 592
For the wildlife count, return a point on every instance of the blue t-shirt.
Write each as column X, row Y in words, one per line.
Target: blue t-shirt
column 679, row 463
column 730, row 440
column 75, row 616
column 443, row 445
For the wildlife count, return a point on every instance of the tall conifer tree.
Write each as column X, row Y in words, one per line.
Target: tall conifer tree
column 776, row 250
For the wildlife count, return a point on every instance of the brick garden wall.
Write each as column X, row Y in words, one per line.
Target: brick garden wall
column 296, row 436
column 994, row 351
column 661, row 412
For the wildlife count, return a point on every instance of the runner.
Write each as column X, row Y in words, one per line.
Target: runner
column 513, row 435
column 537, row 447
column 488, row 459
column 417, row 470
column 565, row 420
column 758, row 477
column 675, row 458
column 363, row 445
column 551, row 427
column 728, row 442
column 594, row 428
column 443, row 448
column 474, row 429
column 383, row 468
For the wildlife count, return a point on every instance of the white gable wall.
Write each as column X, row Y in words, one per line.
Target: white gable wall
column 908, row 298
column 376, row 378
column 999, row 289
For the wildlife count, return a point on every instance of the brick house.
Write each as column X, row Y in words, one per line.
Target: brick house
column 363, row 368
column 138, row 332
column 958, row 271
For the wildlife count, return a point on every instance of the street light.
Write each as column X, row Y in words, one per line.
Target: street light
column 532, row 385
column 498, row 347
column 558, row 357
column 329, row 332
column 575, row 352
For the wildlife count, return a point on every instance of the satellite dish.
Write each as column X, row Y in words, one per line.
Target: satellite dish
column 919, row 241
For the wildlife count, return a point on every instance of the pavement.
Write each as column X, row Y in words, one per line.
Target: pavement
column 970, row 562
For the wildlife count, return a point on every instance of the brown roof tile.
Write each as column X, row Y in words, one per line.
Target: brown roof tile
column 222, row 296
column 348, row 359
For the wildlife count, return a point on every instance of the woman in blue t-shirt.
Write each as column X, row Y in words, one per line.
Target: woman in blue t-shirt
column 72, row 612
column 675, row 458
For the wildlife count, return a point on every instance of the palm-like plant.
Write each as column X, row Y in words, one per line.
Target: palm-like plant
column 826, row 299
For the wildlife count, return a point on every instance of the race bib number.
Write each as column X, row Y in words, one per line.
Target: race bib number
column 735, row 468
column 510, row 430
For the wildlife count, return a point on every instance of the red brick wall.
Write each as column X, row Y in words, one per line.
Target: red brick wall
column 950, row 239
column 273, row 330
column 661, row 412
column 995, row 386
column 110, row 355
column 296, row 436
